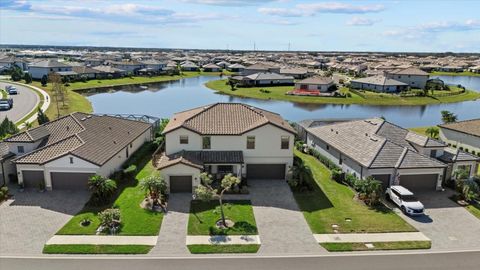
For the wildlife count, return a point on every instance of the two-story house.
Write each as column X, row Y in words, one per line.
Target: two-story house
column 223, row 138
column 414, row 77
column 42, row 68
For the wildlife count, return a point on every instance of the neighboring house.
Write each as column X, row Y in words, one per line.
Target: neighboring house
column 45, row 67
column 236, row 68
column 189, row 66
column 86, row 71
column 93, row 62
column 414, row 77
column 263, row 79
column 223, row 64
column 260, row 68
column 104, row 71
column 11, row 61
column 389, row 153
column 463, row 135
column 225, row 138
column 378, row 83
column 297, row 73
column 128, row 66
column 317, row 83
column 65, row 153
column 211, row 68
column 154, row 65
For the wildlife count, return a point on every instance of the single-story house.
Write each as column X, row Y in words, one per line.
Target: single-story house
column 211, row 68
column 378, row 83
column 262, row 79
column 189, row 66
column 317, row 83
column 236, row 68
column 297, row 73
column 89, row 72
column 104, row 71
column 464, row 135
column 260, row 68
column 66, row 152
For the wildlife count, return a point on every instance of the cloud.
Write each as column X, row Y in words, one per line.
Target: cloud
column 430, row 30
column 361, row 21
column 303, row 10
column 228, row 2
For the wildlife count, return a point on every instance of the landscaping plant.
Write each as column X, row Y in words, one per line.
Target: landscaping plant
column 110, row 219
column 102, row 189
column 469, row 189
column 156, row 188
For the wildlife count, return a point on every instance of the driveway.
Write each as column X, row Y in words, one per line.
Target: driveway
column 31, row 218
column 281, row 225
column 24, row 102
column 448, row 225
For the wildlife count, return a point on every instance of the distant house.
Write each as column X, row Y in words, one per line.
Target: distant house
column 88, row 72
column 236, row 68
column 462, row 134
column 297, row 73
column 154, row 65
column 45, row 67
column 104, row 71
column 260, row 68
column 128, row 66
column 189, row 66
column 414, row 77
column 317, row 83
column 223, row 64
column 378, row 83
column 450, row 69
column 211, row 68
column 263, row 79
column 93, row 61
column 11, row 61
column 475, row 69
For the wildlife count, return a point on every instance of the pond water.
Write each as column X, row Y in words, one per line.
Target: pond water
column 164, row 99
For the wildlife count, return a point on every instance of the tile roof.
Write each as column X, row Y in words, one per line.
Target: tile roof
column 316, row 80
column 93, row 138
column 379, row 80
column 409, row 71
column 268, row 76
column 225, row 119
column 48, row 63
column 197, row 159
column 471, row 127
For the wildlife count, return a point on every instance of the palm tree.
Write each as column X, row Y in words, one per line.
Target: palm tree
column 102, row 188
column 155, row 186
column 432, row 132
column 448, row 117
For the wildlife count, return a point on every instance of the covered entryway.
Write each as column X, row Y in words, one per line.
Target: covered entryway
column 70, row 180
column 419, row 182
column 33, row 179
column 384, row 178
column 266, row 171
column 180, row 184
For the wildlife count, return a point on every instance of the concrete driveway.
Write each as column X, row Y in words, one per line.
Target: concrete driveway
column 281, row 225
column 31, row 218
column 447, row 224
column 23, row 103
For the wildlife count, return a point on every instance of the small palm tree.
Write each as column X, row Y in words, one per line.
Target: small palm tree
column 102, row 188
column 432, row 132
column 155, row 186
column 448, row 117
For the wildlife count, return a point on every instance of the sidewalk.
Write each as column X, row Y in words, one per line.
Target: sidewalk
column 370, row 237
column 102, row 240
column 223, row 240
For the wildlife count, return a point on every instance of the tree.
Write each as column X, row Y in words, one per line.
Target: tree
column 42, row 118
column 7, row 128
column 102, row 188
column 44, row 80
column 155, row 186
column 432, row 132
column 16, row 74
column 469, row 189
column 27, row 77
column 206, row 192
column 232, row 84
column 59, row 90
column 448, row 117
column 110, row 218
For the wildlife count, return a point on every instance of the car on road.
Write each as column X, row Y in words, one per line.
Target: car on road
column 6, row 104
column 405, row 199
column 11, row 90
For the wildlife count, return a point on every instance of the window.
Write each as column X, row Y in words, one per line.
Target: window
column 433, row 153
column 328, row 147
column 206, row 142
column 20, row 149
column 71, row 160
column 340, row 161
column 225, row 169
column 183, row 139
column 250, row 142
column 131, row 145
column 285, row 142
column 126, row 152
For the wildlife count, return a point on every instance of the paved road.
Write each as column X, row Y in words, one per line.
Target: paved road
column 398, row 261
column 23, row 103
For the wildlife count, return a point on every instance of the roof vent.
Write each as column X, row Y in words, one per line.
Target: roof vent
column 336, row 132
column 89, row 116
column 366, row 134
column 83, row 119
column 110, row 128
column 114, row 142
column 331, row 129
column 375, row 140
column 68, row 128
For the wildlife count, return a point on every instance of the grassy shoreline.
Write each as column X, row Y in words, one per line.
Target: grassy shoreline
column 370, row 98
column 447, row 73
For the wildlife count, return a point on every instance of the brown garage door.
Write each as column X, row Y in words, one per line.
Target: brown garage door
column 32, row 179
column 266, row 171
column 70, row 181
column 384, row 178
column 179, row 184
column 419, row 182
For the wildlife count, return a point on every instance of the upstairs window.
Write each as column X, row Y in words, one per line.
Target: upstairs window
column 250, row 142
column 206, row 142
column 433, row 153
column 183, row 139
column 20, row 149
column 285, row 142
column 71, row 160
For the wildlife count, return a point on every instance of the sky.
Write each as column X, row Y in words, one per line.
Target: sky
column 400, row 26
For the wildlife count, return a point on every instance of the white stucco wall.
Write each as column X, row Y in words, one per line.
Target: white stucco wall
column 414, row 81
column 39, row 72
column 470, row 142
column 181, row 170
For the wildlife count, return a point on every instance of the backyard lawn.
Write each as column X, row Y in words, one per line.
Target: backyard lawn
column 96, row 249
column 135, row 220
column 474, row 209
column 204, row 215
column 370, row 98
column 333, row 203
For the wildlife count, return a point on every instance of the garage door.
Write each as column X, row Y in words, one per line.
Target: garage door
column 266, row 171
column 32, row 179
column 419, row 182
column 70, row 181
column 384, row 178
column 180, row 184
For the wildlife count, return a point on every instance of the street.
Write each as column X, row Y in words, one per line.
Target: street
column 23, row 102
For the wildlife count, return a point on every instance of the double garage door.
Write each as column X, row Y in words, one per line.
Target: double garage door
column 415, row 182
column 60, row 180
column 266, row 171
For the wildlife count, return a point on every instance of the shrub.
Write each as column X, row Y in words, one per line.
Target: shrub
column 155, row 187
column 110, row 219
column 102, row 189
column 469, row 189
column 130, row 171
column 299, row 145
column 337, row 175
column 3, row 193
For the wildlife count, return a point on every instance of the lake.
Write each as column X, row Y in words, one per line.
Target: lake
column 164, row 99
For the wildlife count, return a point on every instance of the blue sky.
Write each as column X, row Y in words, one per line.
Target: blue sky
column 237, row 24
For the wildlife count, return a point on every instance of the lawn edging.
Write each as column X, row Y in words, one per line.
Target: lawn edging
column 362, row 246
column 216, row 249
column 96, row 249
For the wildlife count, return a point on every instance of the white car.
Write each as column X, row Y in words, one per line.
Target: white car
column 405, row 199
column 12, row 90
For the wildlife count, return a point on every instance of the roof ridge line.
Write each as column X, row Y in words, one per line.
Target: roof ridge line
column 402, row 157
column 49, row 145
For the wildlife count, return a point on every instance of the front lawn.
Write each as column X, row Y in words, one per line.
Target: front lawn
column 208, row 249
column 474, row 209
column 203, row 217
column 333, row 203
column 96, row 249
column 369, row 98
column 135, row 220
column 335, row 247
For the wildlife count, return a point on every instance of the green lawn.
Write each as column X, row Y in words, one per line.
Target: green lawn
column 203, row 217
column 464, row 73
column 420, row 130
column 96, row 249
column 333, row 247
column 332, row 203
column 371, row 98
column 135, row 220
column 474, row 209
column 208, row 249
